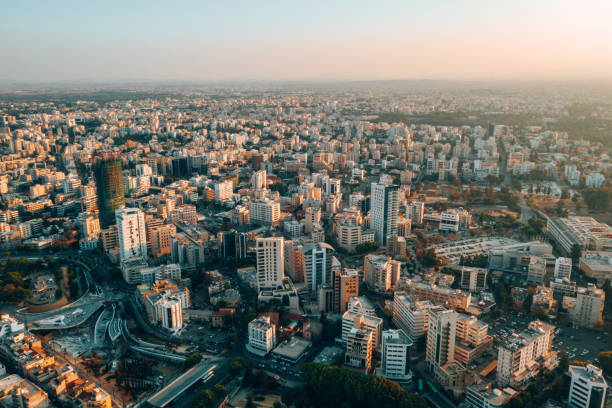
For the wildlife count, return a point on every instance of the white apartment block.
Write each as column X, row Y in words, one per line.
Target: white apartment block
column 171, row 314
column 516, row 357
column 224, row 190
column 259, row 180
column 265, row 212
column 411, row 316
column 384, row 211
column 132, row 235
column 588, row 387
column 395, row 356
column 270, row 262
column 380, row 272
column 589, row 306
column 262, row 336
column 563, row 268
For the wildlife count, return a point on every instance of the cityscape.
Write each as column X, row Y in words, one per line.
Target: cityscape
column 292, row 240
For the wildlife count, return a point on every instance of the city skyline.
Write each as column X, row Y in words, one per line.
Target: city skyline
column 473, row 40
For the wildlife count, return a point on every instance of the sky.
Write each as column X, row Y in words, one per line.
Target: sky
column 305, row 40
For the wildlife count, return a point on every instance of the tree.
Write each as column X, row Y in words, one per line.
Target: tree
column 192, row 360
column 366, row 247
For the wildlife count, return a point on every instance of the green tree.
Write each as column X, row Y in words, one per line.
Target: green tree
column 192, row 360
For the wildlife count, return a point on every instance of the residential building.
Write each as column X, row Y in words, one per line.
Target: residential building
column 395, row 356
column 262, row 336
column 346, row 287
column 563, row 268
column 440, row 337
column 359, row 348
column 588, row 387
column 473, row 279
column 411, row 316
column 270, row 262
column 384, row 211
column 131, row 231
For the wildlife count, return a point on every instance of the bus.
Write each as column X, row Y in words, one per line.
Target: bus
column 431, row 386
column 420, row 387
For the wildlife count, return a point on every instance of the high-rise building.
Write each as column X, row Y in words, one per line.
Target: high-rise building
column 415, row 212
column 360, row 315
column 171, row 314
column 161, row 239
column 563, row 268
column 224, row 190
column 395, row 356
column 109, row 186
column 359, row 348
column 262, row 336
column 380, row 272
column 312, row 218
column 317, row 265
column 518, row 356
column 264, row 212
column 259, row 180
column 270, row 262
column 411, row 316
column 232, row 244
column 473, row 279
column 384, row 211
column 294, row 261
column 132, row 233
column 589, row 306
column 346, row 287
column 441, row 337
column 588, row 387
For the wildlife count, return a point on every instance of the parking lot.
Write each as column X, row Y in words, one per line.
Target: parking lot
column 581, row 344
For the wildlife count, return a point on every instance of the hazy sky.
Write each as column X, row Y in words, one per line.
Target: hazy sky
column 291, row 39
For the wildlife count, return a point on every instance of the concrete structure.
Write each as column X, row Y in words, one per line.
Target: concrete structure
column 440, row 337
column 524, row 355
column 171, row 314
column 262, row 336
column 384, row 211
column 452, row 298
column 536, row 272
column 563, row 268
column 473, row 279
column 395, row 356
column 270, row 262
column 346, row 287
column 224, row 190
column 317, row 265
column 589, row 306
column 264, row 212
column 359, row 348
column 588, row 387
column 132, row 235
column 380, row 272
column 411, row 316
column 109, row 186
column 485, row 396
column 586, row 232
column 597, row 265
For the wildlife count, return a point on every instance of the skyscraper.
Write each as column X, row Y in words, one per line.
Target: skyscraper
column 384, row 211
column 270, row 262
column 132, row 233
column 441, row 337
column 109, row 186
